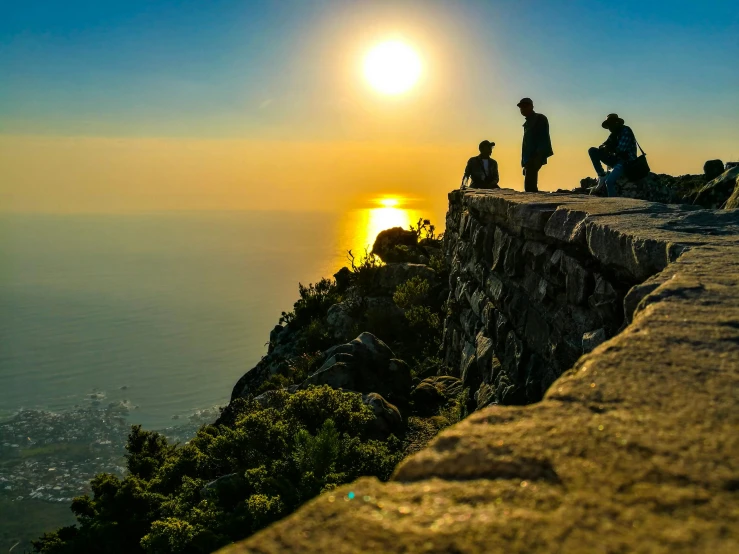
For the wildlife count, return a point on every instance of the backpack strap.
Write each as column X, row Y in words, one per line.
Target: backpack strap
column 643, row 153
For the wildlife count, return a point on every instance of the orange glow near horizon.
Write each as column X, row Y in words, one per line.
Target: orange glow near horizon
column 368, row 223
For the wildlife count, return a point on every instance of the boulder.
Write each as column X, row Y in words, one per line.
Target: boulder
column 340, row 320
column 433, row 393
column 270, row 364
column 485, row 396
column 398, row 245
column 365, row 365
column 717, row 192
column 388, row 420
column 733, row 202
column 388, row 277
column 713, row 168
column 666, row 189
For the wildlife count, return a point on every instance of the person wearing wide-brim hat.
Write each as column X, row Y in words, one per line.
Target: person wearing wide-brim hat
column 482, row 170
column 618, row 149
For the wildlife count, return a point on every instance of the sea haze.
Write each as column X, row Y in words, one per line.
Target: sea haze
column 113, row 320
column 164, row 311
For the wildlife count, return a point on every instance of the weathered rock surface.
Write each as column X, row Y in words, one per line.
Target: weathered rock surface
column 389, row 276
column 282, row 347
column 366, row 365
column 717, row 192
column 398, row 245
column 733, row 202
column 341, row 320
column 655, row 187
column 635, row 449
column 434, row 392
column 537, row 284
column 387, row 416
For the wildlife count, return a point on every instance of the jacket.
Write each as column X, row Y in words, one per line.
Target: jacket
column 475, row 170
column 536, row 138
column 621, row 144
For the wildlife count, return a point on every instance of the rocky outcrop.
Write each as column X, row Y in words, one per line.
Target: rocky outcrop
column 388, row 420
column 388, row 277
column 534, row 286
column 717, row 192
column 435, row 392
column 343, row 320
column 283, row 346
column 655, row 187
column 733, row 202
column 365, row 364
column 710, row 190
column 634, row 448
column 713, row 168
column 399, row 245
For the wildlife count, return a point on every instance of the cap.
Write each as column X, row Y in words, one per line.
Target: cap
column 525, row 101
column 485, row 143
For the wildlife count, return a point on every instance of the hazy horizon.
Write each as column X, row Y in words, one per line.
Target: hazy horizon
column 137, row 106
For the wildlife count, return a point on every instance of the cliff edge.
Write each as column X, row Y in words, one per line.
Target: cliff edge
column 634, row 448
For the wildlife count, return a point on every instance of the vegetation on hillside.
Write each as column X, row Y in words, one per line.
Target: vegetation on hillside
column 263, row 459
column 261, row 466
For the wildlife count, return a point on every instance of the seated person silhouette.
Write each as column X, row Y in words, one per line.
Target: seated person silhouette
column 482, row 170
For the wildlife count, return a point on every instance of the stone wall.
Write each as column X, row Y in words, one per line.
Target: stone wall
column 533, row 287
column 633, row 449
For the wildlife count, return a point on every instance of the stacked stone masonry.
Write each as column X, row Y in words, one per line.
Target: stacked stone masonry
column 634, row 448
column 531, row 292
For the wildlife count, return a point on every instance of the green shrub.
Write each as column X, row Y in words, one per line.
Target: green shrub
column 259, row 464
column 315, row 300
column 424, row 324
column 438, row 264
column 316, row 336
column 424, row 229
column 270, row 461
column 365, row 271
column 293, row 372
column 168, row 536
column 414, row 292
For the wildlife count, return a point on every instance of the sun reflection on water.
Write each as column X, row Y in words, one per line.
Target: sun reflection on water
column 361, row 227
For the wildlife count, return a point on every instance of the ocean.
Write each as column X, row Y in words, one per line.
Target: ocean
column 113, row 320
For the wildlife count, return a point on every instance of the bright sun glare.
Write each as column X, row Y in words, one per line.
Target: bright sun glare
column 392, row 67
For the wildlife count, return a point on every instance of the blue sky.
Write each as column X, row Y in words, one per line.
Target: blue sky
column 279, row 72
column 188, row 68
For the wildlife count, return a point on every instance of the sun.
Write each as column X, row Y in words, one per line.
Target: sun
column 392, row 67
column 388, row 202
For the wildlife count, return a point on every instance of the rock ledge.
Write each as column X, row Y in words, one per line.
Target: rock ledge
column 635, row 449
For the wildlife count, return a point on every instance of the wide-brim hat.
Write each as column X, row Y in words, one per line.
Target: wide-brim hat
column 611, row 119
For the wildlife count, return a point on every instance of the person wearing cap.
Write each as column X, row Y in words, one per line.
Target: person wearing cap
column 537, row 145
column 482, row 170
column 618, row 149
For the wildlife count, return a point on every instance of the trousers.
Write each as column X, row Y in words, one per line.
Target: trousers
column 531, row 177
column 599, row 157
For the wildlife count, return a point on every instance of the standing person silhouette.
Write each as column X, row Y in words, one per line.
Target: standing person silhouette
column 536, row 146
